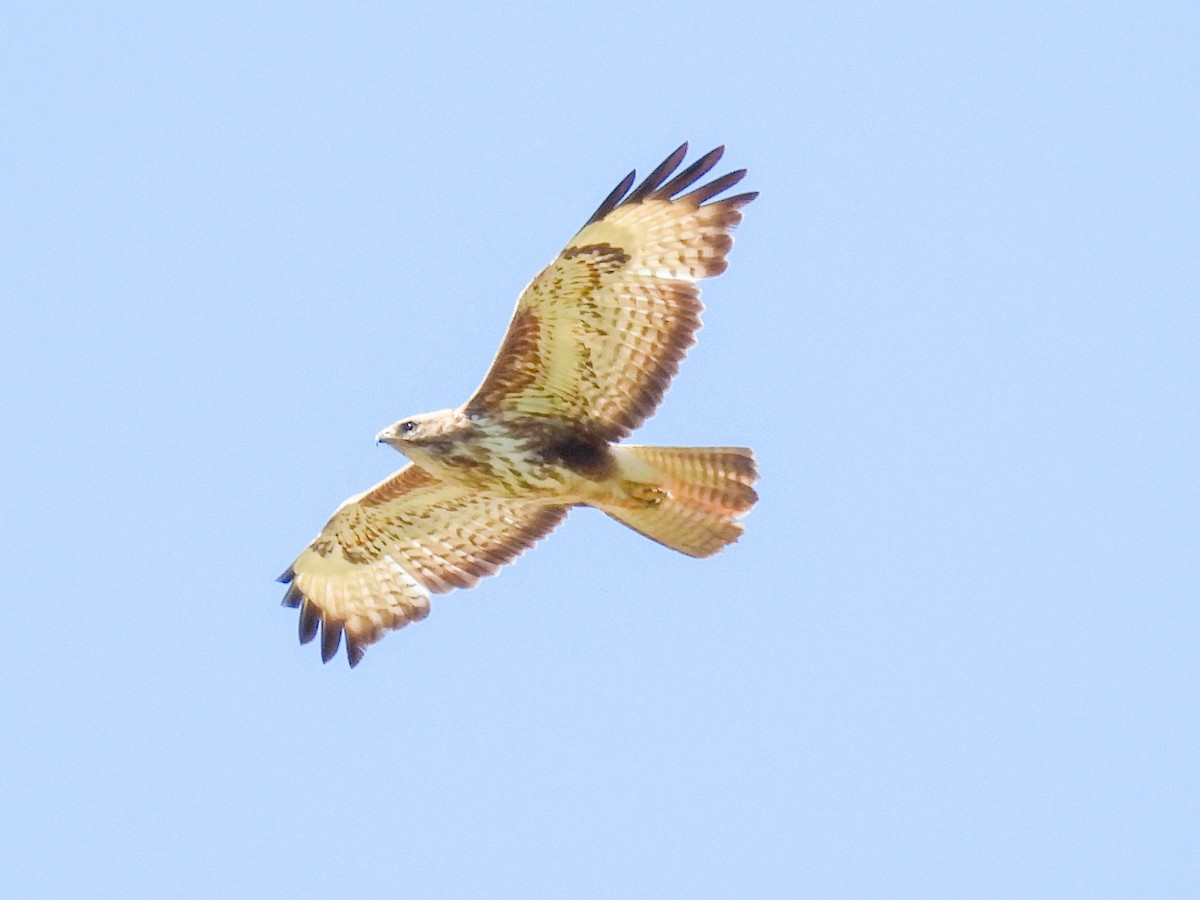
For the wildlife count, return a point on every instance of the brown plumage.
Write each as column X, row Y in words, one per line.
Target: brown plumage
column 593, row 344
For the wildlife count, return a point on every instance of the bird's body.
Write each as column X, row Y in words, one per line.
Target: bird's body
column 592, row 346
column 489, row 454
column 556, row 464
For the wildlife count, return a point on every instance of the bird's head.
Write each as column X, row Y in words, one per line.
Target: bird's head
column 432, row 432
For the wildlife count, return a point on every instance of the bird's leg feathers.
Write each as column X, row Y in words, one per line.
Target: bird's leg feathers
column 646, row 495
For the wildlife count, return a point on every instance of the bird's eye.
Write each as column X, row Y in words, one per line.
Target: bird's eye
column 407, row 427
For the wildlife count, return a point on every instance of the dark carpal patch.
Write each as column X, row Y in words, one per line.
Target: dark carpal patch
column 606, row 256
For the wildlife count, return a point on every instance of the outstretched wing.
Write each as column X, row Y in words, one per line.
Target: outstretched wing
column 600, row 332
column 372, row 567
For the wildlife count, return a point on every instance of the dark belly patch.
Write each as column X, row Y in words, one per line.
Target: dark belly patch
column 589, row 457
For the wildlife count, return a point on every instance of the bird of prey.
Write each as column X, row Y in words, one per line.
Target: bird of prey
column 595, row 339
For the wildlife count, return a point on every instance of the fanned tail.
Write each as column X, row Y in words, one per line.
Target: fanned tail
column 692, row 495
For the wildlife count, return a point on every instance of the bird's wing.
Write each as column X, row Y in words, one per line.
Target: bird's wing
column 600, row 332
column 372, row 567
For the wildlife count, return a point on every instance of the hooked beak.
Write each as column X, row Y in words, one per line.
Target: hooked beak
column 385, row 437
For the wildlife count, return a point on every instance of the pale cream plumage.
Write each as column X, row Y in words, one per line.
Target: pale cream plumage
column 619, row 307
column 375, row 563
column 592, row 346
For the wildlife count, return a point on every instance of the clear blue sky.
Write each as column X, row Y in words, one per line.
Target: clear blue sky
column 956, row 654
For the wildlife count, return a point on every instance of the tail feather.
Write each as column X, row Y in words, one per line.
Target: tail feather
column 695, row 494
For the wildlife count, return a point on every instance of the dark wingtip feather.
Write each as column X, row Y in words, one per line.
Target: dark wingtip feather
column 714, row 187
column 656, row 185
column 331, row 638
column 690, row 175
column 659, row 175
column 310, row 618
column 287, row 576
column 293, row 598
column 354, row 651
column 613, row 200
column 739, row 200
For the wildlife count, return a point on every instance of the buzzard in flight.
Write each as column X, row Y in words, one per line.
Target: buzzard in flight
column 592, row 346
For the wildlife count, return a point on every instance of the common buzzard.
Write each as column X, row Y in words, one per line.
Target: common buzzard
column 594, row 342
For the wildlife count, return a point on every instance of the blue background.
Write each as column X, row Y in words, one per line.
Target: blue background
column 955, row 654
